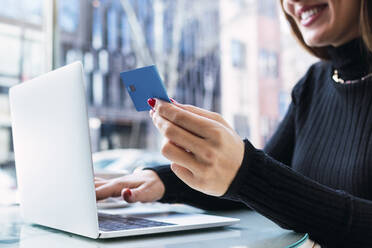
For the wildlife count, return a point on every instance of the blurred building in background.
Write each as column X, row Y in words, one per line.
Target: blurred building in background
column 228, row 56
column 251, row 78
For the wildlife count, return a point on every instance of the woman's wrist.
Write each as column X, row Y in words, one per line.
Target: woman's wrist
column 169, row 180
column 250, row 156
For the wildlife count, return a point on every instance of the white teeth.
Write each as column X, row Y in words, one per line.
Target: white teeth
column 309, row 13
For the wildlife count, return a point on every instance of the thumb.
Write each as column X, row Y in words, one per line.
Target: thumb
column 133, row 195
column 127, row 195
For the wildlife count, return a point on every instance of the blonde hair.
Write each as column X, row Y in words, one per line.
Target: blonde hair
column 365, row 26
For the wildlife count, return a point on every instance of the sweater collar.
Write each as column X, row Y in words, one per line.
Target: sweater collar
column 352, row 60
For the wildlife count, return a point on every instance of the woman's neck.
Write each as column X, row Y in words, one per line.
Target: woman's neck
column 347, row 38
column 352, row 59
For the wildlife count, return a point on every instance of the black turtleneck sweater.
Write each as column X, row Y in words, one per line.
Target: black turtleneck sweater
column 315, row 174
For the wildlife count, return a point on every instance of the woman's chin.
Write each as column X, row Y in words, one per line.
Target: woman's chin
column 316, row 41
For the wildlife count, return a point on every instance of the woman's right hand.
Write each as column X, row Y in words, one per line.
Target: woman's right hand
column 141, row 186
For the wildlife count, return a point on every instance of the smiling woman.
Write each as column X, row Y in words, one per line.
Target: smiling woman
column 322, row 23
column 314, row 175
column 335, row 17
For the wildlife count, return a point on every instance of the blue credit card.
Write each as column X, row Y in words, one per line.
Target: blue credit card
column 142, row 84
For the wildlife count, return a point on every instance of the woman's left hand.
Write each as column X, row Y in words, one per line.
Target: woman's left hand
column 205, row 152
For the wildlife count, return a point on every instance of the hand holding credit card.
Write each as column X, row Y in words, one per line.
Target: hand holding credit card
column 142, row 84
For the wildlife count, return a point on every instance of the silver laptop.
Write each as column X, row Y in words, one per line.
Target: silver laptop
column 54, row 163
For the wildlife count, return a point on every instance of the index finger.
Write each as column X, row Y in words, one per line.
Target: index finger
column 203, row 112
column 107, row 190
column 113, row 188
column 196, row 124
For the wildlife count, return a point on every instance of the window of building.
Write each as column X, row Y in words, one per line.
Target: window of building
column 284, row 101
column 240, row 3
column 112, row 28
column 125, row 34
column 267, row 8
column 268, row 63
column 69, row 15
column 97, row 30
column 29, row 11
column 241, row 125
column 238, row 54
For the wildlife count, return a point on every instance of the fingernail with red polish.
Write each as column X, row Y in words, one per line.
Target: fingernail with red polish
column 129, row 192
column 151, row 102
column 172, row 100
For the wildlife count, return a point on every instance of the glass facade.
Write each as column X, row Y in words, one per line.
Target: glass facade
column 29, row 11
column 108, row 46
column 22, row 58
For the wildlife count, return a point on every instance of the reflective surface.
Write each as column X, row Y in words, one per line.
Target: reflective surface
column 253, row 231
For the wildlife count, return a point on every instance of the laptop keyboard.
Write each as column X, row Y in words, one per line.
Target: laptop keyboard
column 109, row 222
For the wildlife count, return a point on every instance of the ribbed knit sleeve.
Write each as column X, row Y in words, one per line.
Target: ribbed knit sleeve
column 332, row 217
column 177, row 191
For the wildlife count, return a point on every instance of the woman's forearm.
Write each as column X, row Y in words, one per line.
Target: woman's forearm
column 333, row 218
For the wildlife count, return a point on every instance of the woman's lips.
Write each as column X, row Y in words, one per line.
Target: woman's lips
column 308, row 15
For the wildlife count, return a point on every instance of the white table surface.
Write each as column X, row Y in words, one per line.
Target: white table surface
column 253, row 231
